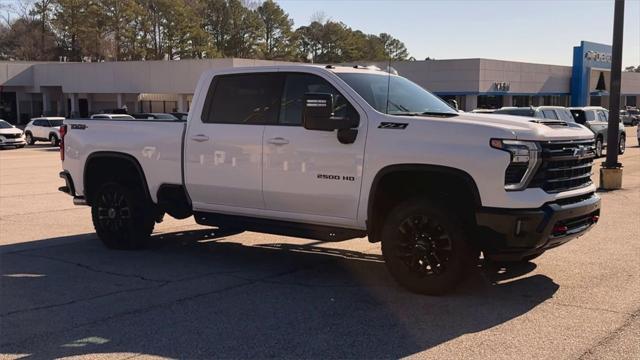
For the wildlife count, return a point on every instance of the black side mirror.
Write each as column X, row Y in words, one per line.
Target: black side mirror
column 317, row 114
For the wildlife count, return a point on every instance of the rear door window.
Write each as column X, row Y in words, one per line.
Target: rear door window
column 250, row 99
column 549, row 114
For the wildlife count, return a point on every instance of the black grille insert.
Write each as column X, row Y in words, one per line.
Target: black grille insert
column 12, row 136
column 566, row 165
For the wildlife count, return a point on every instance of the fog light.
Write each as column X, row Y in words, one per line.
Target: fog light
column 595, row 218
column 559, row 229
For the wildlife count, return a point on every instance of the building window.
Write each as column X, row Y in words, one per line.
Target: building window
column 555, row 100
column 460, row 99
column 521, row 100
column 490, row 101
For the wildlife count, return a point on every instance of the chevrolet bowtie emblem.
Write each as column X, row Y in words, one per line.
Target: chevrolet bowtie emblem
column 580, row 152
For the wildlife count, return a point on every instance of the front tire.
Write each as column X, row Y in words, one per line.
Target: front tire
column 599, row 147
column 622, row 144
column 425, row 247
column 122, row 218
column 29, row 139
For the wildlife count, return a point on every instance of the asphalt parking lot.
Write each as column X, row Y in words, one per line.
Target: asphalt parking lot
column 204, row 293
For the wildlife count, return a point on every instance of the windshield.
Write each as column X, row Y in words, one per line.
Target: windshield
column 122, row 117
column 5, row 125
column 55, row 123
column 405, row 97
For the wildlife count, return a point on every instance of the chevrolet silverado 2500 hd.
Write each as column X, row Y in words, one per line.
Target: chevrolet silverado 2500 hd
column 333, row 153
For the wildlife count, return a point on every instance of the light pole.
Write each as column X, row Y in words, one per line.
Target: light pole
column 611, row 171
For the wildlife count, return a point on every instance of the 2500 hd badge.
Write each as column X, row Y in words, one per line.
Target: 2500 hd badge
column 336, row 177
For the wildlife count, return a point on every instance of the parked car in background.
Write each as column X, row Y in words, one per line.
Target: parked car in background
column 180, row 115
column 626, row 118
column 10, row 136
column 155, row 116
column 43, row 129
column 635, row 116
column 112, row 116
column 541, row 112
column 596, row 119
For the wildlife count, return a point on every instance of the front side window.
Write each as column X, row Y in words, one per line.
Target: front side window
column 602, row 116
column 565, row 115
column 54, row 123
column 243, row 99
column 298, row 84
column 404, row 97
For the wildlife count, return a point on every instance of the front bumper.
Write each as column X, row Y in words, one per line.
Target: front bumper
column 13, row 142
column 512, row 234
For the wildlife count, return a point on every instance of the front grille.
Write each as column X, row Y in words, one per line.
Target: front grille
column 574, row 199
column 566, row 165
column 11, row 136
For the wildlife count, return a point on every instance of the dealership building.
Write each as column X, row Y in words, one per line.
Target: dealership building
column 30, row 89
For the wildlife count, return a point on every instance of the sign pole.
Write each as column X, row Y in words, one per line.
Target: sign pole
column 611, row 171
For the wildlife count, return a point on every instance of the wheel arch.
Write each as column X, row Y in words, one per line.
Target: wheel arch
column 110, row 158
column 376, row 192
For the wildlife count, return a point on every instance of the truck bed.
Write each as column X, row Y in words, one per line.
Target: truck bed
column 155, row 144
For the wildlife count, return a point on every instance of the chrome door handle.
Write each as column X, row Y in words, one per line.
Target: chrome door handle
column 278, row 141
column 200, row 137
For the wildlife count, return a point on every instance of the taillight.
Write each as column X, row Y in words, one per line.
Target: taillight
column 63, row 132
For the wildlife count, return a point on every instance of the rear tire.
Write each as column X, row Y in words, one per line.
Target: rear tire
column 425, row 247
column 54, row 140
column 122, row 218
column 622, row 145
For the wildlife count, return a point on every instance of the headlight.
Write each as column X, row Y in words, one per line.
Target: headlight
column 525, row 159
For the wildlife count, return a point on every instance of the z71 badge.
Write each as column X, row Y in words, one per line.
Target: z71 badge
column 392, row 125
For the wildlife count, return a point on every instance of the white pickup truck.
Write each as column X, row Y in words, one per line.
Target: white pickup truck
column 333, row 153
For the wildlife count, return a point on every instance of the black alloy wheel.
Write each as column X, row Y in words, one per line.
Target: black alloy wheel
column 122, row 217
column 425, row 247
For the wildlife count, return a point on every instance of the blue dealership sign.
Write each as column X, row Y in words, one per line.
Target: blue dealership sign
column 586, row 57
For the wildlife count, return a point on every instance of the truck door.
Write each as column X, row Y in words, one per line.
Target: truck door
column 223, row 147
column 309, row 174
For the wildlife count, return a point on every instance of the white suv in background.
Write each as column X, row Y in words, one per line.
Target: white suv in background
column 43, row 129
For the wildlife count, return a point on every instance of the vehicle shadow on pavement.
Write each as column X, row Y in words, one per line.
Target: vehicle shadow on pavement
column 203, row 294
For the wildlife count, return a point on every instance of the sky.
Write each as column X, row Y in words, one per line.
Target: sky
column 540, row 31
